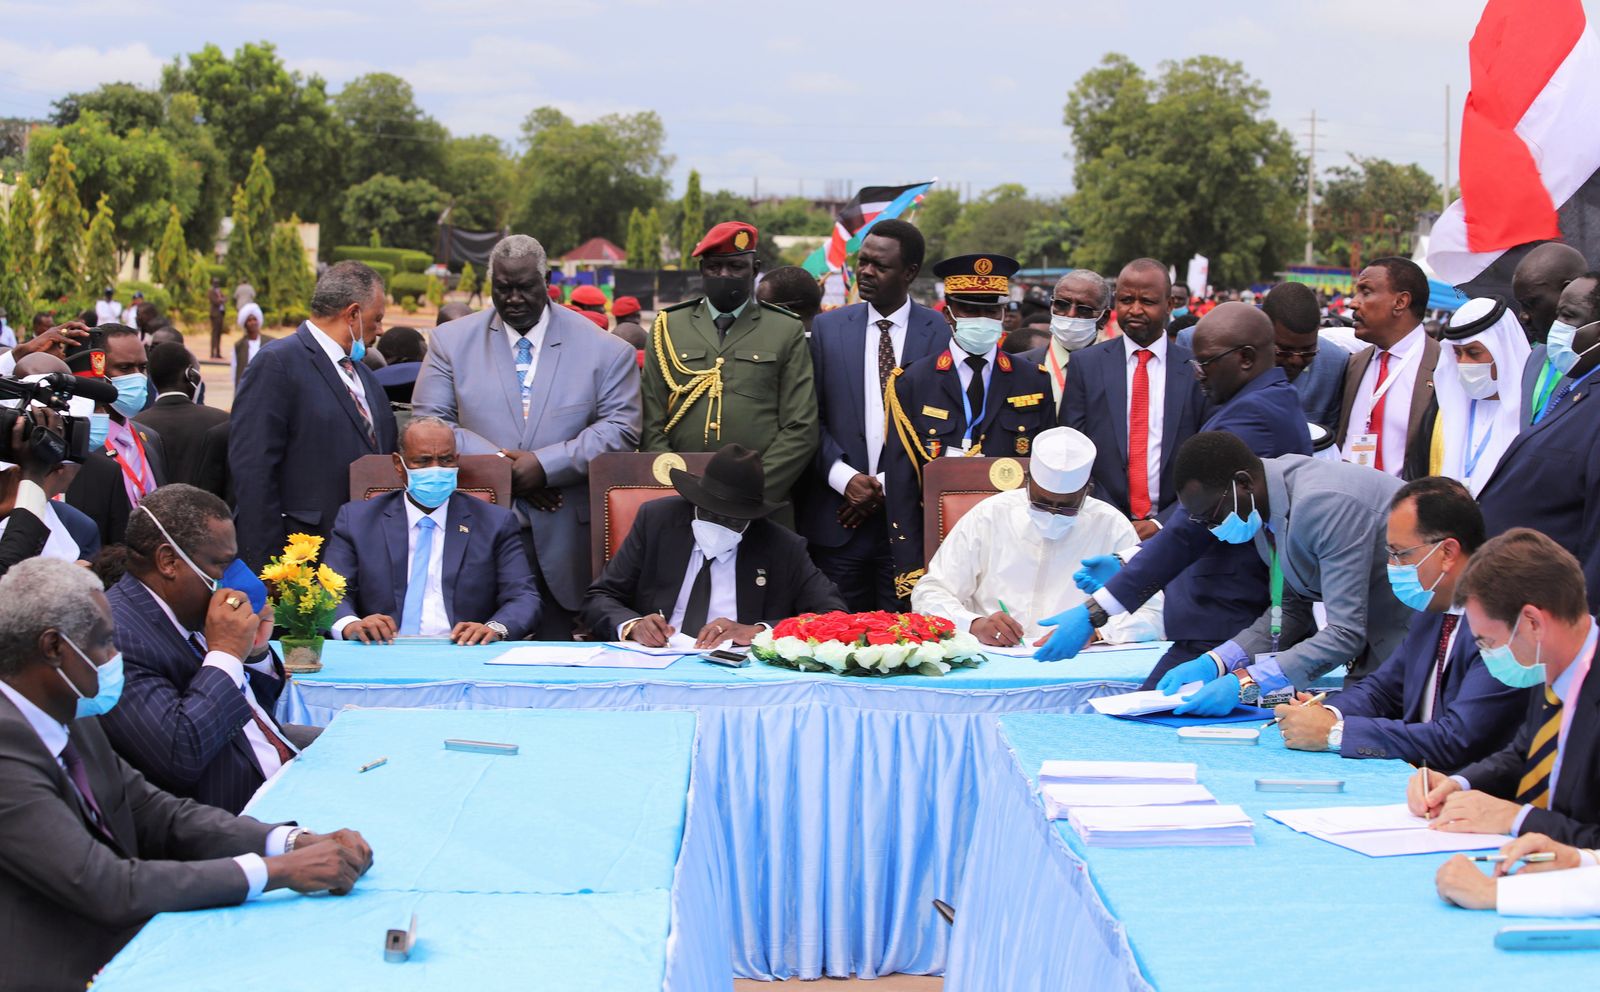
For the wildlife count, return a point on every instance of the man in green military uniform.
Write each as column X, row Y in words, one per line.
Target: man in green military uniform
column 726, row 368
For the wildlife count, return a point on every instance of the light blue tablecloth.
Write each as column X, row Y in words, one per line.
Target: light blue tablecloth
column 587, row 860
column 845, row 804
column 1039, row 910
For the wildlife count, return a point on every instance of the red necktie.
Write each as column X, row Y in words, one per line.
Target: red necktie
column 284, row 754
column 1139, row 439
column 1375, row 418
column 1445, row 629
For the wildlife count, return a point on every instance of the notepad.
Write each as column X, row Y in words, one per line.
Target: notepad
column 1381, row 831
column 1108, row 772
column 1143, row 702
column 1163, row 826
column 1061, row 798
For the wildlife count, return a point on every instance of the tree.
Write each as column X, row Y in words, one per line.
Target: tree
column 385, row 131
column 1369, row 209
column 19, row 252
column 940, row 210
column 123, row 106
column 650, row 238
column 203, row 161
column 1184, row 163
column 100, row 253
column 1005, row 220
column 581, row 180
column 634, row 246
column 433, row 291
column 468, row 283
column 172, row 255
column 61, row 223
column 791, row 215
column 694, row 218
column 292, row 280
column 403, row 212
column 249, row 245
column 479, row 176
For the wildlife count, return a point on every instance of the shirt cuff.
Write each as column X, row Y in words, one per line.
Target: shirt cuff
column 1522, row 814
column 1108, row 602
column 1335, row 711
column 227, row 663
column 1462, row 782
column 340, row 624
column 278, row 840
column 8, row 363
column 1546, row 893
column 839, row 476
column 31, row 498
column 1232, row 655
column 625, row 626
column 255, row 874
column 1268, row 675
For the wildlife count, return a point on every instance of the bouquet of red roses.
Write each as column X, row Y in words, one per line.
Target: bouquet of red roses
column 877, row 643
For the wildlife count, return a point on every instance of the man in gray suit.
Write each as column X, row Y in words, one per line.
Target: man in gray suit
column 545, row 388
column 1322, row 528
column 89, row 850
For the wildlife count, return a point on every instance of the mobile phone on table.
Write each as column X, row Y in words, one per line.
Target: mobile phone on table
column 728, row 657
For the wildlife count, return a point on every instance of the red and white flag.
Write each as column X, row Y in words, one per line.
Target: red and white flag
column 1530, row 142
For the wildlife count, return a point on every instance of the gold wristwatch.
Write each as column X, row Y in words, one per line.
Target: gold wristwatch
column 1249, row 691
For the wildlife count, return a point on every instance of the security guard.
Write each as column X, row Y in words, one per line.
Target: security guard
column 971, row 399
column 727, row 368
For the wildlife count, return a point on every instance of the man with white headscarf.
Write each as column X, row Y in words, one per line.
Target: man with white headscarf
column 1002, row 568
column 1477, row 396
column 249, row 321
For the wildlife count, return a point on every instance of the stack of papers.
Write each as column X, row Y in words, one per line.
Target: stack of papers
column 1381, row 831
column 1144, row 701
column 1061, row 798
column 1163, row 826
column 1110, row 772
column 585, row 656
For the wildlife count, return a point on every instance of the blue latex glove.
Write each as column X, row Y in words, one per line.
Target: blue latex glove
column 1201, row 669
column 1072, row 630
column 1217, row 698
column 1096, row 572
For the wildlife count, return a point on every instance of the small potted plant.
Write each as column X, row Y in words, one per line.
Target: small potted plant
column 304, row 597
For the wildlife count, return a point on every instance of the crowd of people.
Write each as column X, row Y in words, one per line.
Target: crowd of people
column 1224, row 475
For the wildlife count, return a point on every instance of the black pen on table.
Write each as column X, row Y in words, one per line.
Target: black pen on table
column 1319, row 697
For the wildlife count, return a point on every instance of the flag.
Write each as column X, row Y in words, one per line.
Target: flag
column 1530, row 150
column 870, row 205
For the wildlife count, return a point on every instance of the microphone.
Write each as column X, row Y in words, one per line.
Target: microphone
column 95, row 389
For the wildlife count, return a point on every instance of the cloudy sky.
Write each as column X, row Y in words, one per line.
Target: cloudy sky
column 786, row 98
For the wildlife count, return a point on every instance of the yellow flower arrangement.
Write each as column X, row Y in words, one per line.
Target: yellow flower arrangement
column 305, row 594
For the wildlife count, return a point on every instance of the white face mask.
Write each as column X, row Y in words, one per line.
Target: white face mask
column 1051, row 526
column 1074, row 332
column 714, row 540
column 1477, row 381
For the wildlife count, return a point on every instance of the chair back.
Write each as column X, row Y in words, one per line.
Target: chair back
column 951, row 486
column 488, row 477
column 622, row 481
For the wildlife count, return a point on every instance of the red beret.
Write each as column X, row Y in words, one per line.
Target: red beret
column 733, row 237
column 554, row 292
column 598, row 318
column 589, row 296
column 624, row 305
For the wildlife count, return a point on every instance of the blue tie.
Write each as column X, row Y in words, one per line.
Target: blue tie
column 417, row 584
column 1555, row 400
column 524, row 359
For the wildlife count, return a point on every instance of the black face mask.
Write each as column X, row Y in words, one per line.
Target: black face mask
column 727, row 293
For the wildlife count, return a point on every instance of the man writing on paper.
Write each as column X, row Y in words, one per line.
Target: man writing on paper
column 1567, row 885
column 1432, row 702
column 707, row 562
column 998, row 573
column 1525, row 600
column 429, row 561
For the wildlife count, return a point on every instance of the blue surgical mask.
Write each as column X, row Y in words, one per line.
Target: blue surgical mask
column 133, row 391
column 430, row 486
column 1505, row 667
column 237, row 576
column 1237, row 530
column 108, row 678
column 1558, row 347
column 1180, row 312
column 99, row 427
column 1408, row 588
column 358, row 348
column 976, row 335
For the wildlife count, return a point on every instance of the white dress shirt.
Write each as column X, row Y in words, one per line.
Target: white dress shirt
column 994, row 554
column 107, row 311
column 252, row 346
column 873, row 418
column 1404, row 360
column 724, row 591
column 60, row 543
column 435, row 620
column 1156, row 371
column 534, row 334
column 336, row 354
column 54, row 736
column 1575, row 892
column 1436, row 672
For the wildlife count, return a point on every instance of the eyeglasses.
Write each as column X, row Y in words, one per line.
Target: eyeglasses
column 1067, row 308
column 1306, row 353
column 1063, row 509
column 1398, row 557
column 1209, row 520
column 1200, row 366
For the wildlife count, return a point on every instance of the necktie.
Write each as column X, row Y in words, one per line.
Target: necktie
column 417, row 583
column 349, row 368
column 723, row 322
column 267, row 730
column 80, row 781
column 697, row 611
column 885, row 354
column 524, row 362
column 1375, row 418
column 975, row 395
column 1534, row 789
column 1439, row 656
column 1555, row 401
column 1139, row 438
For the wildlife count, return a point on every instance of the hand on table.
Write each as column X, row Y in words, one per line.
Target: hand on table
column 1305, row 726
column 1146, row 529
column 1474, row 812
column 231, row 629
column 1096, row 572
column 379, row 628
column 467, row 632
column 1461, row 883
column 652, row 631
column 1426, row 790
column 1566, row 857
column 1201, row 669
column 319, row 867
column 1216, row 698
column 722, row 629
column 1072, row 633
column 999, row 629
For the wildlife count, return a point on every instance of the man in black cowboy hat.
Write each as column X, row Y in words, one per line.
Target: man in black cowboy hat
column 708, row 563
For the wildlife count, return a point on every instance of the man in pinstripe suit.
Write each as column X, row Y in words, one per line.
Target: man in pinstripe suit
column 196, row 710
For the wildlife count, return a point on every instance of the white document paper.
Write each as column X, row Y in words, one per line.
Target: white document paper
column 1143, row 702
column 1163, row 826
column 1104, row 772
column 1061, row 798
column 582, row 656
column 1381, row 831
column 1026, row 649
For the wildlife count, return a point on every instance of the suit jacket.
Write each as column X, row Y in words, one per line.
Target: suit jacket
column 838, row 345
column 1476, row 714
column 69, row 898
column 584, row 401
column 1214, row 589
column 182, row 424
column 1095, row 402
column 1574, row 813
column 24, row 538
column 774, row 574
column 295, row 430
column 179, row 722
column 484, row 572
column 1421, row 394
column 213, row 475
column 399, row 381
column 98, row 489
column 80, row 526
column 1547, row 477
column 1531, row 371
column 241, row 356
column 1321, row 384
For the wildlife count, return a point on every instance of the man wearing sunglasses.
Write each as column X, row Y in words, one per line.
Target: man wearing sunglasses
column 1079, row 309
column 998, row 573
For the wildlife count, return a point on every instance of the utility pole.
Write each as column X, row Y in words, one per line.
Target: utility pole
column 1444, row 194
column 1311, row 188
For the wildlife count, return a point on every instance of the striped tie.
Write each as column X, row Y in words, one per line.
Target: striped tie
column 1534, row 789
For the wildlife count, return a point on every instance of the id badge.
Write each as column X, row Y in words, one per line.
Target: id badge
column 1363, row 450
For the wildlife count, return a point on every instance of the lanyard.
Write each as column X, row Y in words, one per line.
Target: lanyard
column 1056, row 370
column 966, row 409
column 137, row 478
column 1383, row 387
column 1546, row 385
column 1275, row 584
column 1477, row 453
column 1548, row 406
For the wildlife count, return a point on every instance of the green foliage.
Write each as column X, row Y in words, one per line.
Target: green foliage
column 480, row 176
column 100, row 253
column 404, row 212
column 375, row 240
column 693, row 225
column 386, row 132
column 1182, row 163
column 197, row 283
column 940, row 210
column 408, row 284
column 792, row 215
column 1004, row 220
column 161, row 297
column 634, row 247
column 468, row 283
column 1369, row 209
column 409, row 304
column 581, row 180
column 201, row 165
column 19, row 253
column 433, row 291
column 650, row 238
column 292, row 279
column 400, row 259
column 61, row 223
column 384, row 270
column 123, row 106
column 172, row 255
column 249, row 246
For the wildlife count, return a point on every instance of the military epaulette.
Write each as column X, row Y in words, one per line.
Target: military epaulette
column 685, row 303
column 777, row 309
column 1003, row 361
column 945, row 363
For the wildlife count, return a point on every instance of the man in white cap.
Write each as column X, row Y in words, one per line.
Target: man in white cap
column 1001, row 570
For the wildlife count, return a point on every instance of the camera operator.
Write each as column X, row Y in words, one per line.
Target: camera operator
column 57, row 341
column 22, row 495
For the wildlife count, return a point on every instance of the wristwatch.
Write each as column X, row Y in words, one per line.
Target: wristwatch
column 292, row 838
column 497, row 627
column 1249, row 691
column 1098, row 617
column 1336, row 735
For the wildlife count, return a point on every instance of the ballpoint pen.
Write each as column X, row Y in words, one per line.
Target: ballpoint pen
column 1319, row 697
column 1536, row 858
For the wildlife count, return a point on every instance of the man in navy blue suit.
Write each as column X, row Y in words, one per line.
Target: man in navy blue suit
column 430, row 561
column 1432, row 702
column 1212, row 589
column 307, row 407
column 1136, row 398
column 855, row 350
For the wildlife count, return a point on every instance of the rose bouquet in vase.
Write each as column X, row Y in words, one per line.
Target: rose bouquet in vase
column 877, row 643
